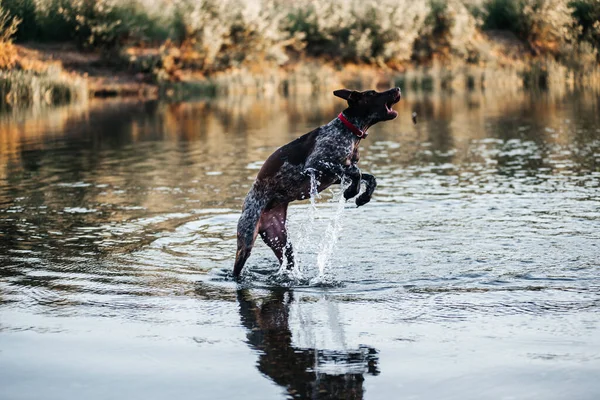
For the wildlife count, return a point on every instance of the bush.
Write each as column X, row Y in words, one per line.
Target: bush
column 449, row 30
column 587, row 16
column 24, row 11
column 358, row 30
column 214, row 35
column 103, row 24
column 549, row 24
column 8, row 27
column 505, row 15
column 544, row 24
column 24, row 88
column 227, row 33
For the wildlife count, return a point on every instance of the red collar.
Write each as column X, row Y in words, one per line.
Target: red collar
column 360, row 134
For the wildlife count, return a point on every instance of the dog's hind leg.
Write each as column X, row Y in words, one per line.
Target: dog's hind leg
column 273, row 231
column 247, row 230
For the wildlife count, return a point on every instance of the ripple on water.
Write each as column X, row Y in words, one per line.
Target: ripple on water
column 487, row 228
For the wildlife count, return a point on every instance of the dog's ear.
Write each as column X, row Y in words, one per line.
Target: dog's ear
column 349, row 95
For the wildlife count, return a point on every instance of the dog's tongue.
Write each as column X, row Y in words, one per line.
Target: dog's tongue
column 390, row 104
column 390, row 110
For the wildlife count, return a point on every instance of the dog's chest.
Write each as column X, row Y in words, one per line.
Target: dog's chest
column 351, row 153
column 355, row 156
column 332, row 145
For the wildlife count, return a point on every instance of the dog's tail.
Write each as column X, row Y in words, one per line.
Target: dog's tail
column 247, row 228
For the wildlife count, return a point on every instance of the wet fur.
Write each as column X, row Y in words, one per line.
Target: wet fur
column 330, row 153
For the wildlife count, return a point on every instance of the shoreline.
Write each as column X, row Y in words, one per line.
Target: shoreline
column 53, row 51
column 94, row 76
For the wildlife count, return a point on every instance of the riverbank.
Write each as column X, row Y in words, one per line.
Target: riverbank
column 58, row 73
column 182, row 48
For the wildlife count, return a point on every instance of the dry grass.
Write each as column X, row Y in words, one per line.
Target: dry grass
column 24, row 88
column 8, row 27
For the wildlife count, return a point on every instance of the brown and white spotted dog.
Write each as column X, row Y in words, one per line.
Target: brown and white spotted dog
column 329, row 153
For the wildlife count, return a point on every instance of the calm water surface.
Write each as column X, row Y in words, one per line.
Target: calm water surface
column 474, row 272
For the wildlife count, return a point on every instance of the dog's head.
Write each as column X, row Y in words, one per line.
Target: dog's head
column 370, row 106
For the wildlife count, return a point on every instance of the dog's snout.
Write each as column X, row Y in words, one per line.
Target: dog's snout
column 397, row 93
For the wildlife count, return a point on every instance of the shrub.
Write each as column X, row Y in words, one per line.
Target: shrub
column 587, row 16
column 544, row 24
column 505, row 15
column 548, row 24
column 103, row 24
column 358, row 30
column 24, row 11
column 8, row 27
column 448, row 31
column 24, row 88
column 227, row 33
column 214, row 35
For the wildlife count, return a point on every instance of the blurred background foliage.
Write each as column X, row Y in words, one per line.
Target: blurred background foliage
column 220, row 34
column 252, row 43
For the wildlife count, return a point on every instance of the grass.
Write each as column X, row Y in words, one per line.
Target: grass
column 24, row 88
column 20, row 87
column 8, row 27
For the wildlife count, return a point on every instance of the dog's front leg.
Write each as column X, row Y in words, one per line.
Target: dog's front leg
column 371, row 184
column 337, row 174
column 353, row 174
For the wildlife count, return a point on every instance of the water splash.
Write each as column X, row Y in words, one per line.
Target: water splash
column 303, row 242
column 314, row 239
column 314, row 190
column 332, row 233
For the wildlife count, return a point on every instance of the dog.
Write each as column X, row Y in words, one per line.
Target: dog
column 325, row 156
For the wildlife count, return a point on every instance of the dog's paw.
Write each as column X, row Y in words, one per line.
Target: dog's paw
column 362, row 199
column 350, row 193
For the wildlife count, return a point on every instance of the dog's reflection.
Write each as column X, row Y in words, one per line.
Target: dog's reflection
column 298, row 369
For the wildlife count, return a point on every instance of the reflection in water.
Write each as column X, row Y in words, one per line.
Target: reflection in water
column 298, row 369
column 473, row 270
column 69, row 178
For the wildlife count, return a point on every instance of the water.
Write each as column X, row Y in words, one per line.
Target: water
column 474, row 272
column 330, row 238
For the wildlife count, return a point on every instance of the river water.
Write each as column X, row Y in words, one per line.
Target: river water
column 474, row 272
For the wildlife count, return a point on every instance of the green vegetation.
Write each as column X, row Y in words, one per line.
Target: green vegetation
column 23, row 88
column 505, row 15
column 8, row 27
column 102, row 24
column 213, row 36
column 587, row 15
column 18, row 87
column 228, row 33
column 547, row 26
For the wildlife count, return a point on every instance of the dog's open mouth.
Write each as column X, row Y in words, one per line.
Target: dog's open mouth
column 388, row 106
